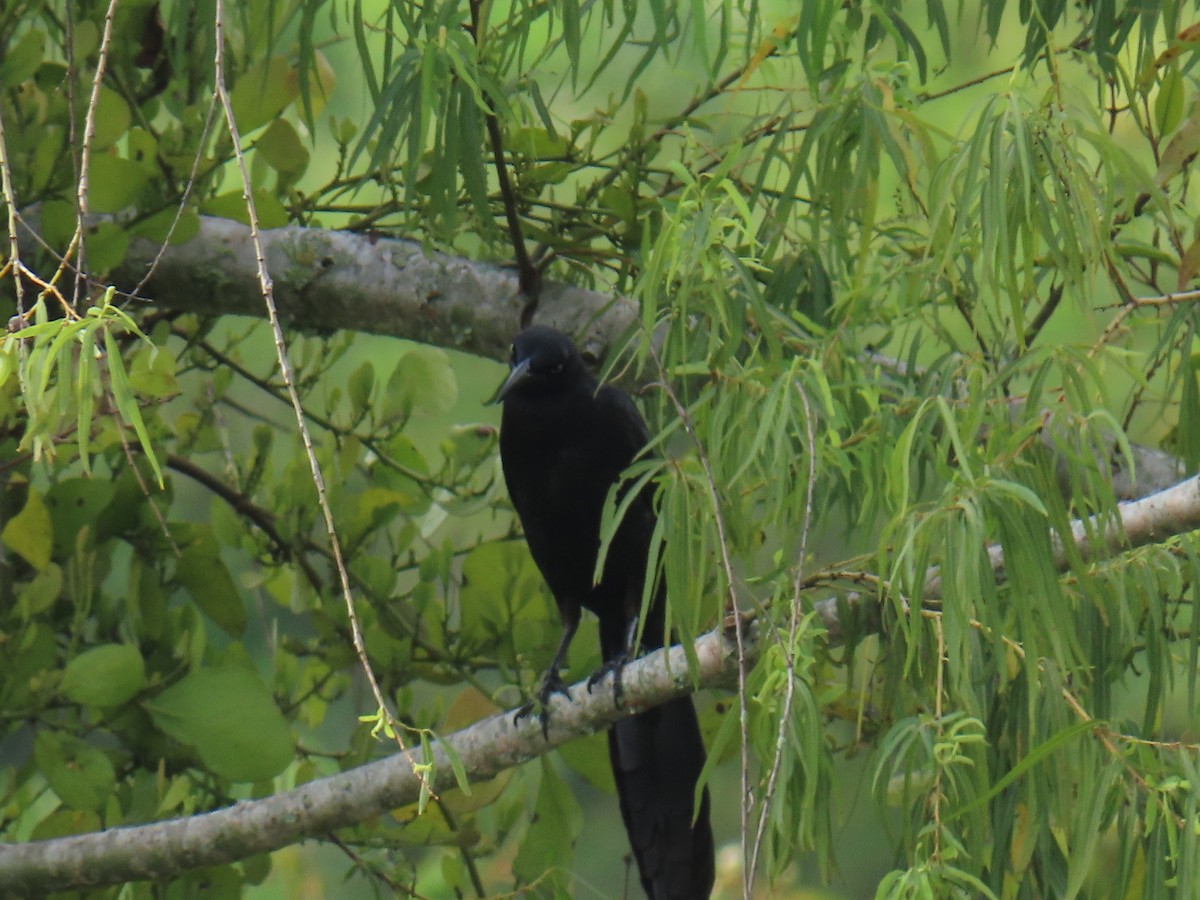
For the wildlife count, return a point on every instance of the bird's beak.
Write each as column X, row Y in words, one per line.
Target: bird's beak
column 516, row 375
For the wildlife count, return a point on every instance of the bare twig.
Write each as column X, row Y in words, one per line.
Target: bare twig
column 289, row 382
column 14, row 248
column 528, row 275
column 85, row 157
column 209, row 119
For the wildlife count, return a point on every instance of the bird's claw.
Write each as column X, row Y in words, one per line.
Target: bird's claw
column 552, row 684
column 616, row 666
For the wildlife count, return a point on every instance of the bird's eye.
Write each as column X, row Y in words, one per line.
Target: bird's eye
column 556, row 369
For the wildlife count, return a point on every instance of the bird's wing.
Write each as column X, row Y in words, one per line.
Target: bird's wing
column 619, row 411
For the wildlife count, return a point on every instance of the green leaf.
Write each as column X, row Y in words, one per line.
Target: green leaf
column 200, row 570
column 1184, row 145
column 271, row 213
column 108, row 675
column 107, row 243
column 1168, row 105
column 22, row 58
column 75, row 503
column 157, row 227
column 422, row 382
column 40, row 593
column 502, row 593
column 263, row 92
column 114, row 183
column 81, row 775
column 86, row 385
column 30, row 532
column 127, row 405
column 549, row 846
column 153, row 373
column 112, row 118
column 230, row 717
column 588, row 758
column 1020, row 493
column 468, row 446
column 58, row 222
column 359, row 386
column 282, row 148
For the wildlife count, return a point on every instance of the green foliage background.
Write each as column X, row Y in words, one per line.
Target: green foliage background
column 906, row 265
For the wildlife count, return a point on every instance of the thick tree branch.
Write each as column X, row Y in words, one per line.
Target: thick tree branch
column 163, row 850
column 326, row 280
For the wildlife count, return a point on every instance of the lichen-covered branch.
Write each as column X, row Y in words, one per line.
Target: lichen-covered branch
column 326, row 280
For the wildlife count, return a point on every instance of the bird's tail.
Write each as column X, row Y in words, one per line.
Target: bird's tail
column 657, row 757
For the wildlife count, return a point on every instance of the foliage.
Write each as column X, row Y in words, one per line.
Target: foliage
column 905, row 306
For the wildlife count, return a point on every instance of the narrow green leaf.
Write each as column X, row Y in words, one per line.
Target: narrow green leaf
column 1036, row 754
column 126, row 402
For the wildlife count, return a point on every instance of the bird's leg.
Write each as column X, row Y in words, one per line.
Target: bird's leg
column 552, row 682
column 617, row 664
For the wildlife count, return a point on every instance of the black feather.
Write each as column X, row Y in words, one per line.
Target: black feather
column 564, row 442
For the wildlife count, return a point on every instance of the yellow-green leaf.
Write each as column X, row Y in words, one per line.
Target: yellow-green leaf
column 230, row 717
column 108, row 675
column 30, row 532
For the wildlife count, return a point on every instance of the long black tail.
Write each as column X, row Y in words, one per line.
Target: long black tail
column 656, row 760
column 657, row 757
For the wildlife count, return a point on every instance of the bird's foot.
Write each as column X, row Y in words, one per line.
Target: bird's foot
column 616, row 666
column 552, row 684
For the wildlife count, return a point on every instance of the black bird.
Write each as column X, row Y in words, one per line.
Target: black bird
column 564, row 442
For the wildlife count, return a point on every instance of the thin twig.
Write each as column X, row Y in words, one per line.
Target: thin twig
column 182, row 205
column 789, row 651
column 14, row 252
column 85, row 156
column 528, row 275
column 938, row 689
column 137, row 475
column 732, row 607
column 264, row 278
column 372, row 871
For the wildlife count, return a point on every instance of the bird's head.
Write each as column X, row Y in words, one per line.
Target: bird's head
column 543, row 361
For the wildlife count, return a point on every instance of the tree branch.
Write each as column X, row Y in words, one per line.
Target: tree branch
column 164, row 850
column 1155, row 518
column 326, row 280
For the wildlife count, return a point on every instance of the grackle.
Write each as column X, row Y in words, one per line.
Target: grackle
column 564, row 442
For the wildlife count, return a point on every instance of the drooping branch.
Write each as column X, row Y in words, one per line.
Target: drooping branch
column 164, row 850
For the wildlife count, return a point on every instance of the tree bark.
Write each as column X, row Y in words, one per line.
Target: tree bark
column 326, row 280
